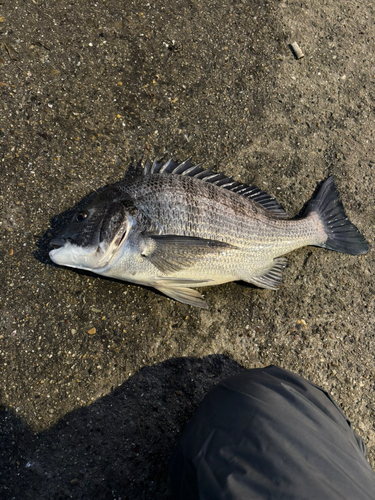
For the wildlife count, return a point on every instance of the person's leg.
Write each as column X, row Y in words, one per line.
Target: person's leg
column 270, row 434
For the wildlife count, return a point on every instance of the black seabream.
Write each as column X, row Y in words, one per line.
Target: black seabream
column 179, row 227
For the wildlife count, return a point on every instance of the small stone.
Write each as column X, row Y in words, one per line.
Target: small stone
column 92, row 331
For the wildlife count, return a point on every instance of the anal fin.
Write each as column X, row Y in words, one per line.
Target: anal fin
column 179, row 289
column 272, row 277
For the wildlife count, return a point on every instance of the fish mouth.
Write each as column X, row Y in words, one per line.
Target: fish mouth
column 57, row 243
column 64, row 253
column 96, row 257
column 103, row 255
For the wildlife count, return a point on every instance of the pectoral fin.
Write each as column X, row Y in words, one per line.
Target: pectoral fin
column 171, row 253
column 271, row 277
column 178, row 289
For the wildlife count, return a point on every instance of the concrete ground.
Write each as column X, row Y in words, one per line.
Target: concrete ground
column 99, row 377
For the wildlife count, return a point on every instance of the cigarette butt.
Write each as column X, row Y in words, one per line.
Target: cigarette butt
column 297, row 51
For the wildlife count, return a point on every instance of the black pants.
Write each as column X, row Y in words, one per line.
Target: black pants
column 270, row 434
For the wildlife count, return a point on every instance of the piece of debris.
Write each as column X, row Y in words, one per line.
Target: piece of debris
column 297, row 51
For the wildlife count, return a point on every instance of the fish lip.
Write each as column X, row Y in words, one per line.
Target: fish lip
column 57, row 243
column 55, row 249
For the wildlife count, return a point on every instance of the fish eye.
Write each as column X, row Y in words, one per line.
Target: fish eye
column 81, row 216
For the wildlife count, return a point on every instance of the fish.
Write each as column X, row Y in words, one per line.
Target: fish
column 179, row 227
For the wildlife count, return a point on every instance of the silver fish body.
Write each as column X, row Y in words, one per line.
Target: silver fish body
column 180, row 226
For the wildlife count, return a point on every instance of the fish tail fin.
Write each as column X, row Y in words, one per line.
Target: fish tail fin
column 342, row 235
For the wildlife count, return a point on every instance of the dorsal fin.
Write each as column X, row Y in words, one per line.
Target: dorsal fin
column 188, row 169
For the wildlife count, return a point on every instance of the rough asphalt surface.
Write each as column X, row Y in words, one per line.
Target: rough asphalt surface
column 99, row 377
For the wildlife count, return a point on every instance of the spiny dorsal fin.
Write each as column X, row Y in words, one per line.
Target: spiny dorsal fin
column 188, row 169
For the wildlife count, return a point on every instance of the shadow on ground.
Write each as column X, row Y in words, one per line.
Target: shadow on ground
column 119, row 446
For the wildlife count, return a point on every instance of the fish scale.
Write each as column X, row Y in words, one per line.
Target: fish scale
column 197, row 204
column 179, row 227
column 212, row 213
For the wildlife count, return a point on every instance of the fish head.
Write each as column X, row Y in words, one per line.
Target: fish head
column 94, row 236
